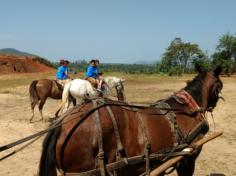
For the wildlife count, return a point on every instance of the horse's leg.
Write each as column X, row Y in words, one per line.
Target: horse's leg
column 65, row 99
column 187, row 166
column 62, row 106
column 74, row 101
column 41, row 104
column 32, row 110
column 67, row 105
column 34, row 98
column 56, row 114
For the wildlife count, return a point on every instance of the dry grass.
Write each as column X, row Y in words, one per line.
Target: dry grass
column 217, row 156
column 16, row 80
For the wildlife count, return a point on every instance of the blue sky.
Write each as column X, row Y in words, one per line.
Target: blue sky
column 121, row 31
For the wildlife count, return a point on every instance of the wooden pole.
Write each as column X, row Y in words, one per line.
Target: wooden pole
column 188, row 150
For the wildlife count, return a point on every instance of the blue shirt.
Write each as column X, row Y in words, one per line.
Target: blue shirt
column 92, row 72
column 61, row 73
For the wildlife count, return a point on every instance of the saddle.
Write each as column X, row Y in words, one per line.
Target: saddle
column 62, row 82
column 94, row 84
column 92, row 81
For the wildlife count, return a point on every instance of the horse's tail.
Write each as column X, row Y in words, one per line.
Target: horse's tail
column 48, row 164
column 33, row 94
column 65, row 96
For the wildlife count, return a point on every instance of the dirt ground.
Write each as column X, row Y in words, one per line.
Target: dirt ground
column 217, row 157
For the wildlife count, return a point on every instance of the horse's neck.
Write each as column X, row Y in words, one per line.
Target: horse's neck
column 198, row 95
column 109, row 81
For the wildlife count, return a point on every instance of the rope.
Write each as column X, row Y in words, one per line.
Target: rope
column 21, row 148
column 59, row 122
column 40, row 133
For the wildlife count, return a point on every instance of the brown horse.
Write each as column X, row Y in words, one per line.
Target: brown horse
column 40, row 90
column 105, row 137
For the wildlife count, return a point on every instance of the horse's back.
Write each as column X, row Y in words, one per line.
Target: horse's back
column 79, row 82
column 44, row 83
column 80, row 147
column 80, row 87
column 48, row 88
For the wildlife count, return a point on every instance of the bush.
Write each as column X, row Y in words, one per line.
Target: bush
column 44, row 61
column 175, row 71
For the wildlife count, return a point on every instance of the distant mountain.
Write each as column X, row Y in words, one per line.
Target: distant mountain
column 12, row 51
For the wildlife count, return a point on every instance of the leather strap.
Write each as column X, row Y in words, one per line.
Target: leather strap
column 100, row 156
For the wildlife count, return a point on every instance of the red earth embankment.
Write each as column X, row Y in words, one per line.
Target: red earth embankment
column 22, row 64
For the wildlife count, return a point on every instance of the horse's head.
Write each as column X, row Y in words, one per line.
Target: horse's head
column 206, row 87
column 120, row 90
column 117, row 83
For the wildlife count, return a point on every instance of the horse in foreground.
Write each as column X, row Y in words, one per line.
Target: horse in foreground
column 40, row 90
column 82, row 90
column 104, row 137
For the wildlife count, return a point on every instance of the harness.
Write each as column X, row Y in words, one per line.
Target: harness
column 121, row 159
column 171, row 118
column 180, row 141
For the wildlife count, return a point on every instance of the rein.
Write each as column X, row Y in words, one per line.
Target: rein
column 104, row 103
column 40, row 133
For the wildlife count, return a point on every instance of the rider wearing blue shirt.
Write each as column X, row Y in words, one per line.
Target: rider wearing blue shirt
column 92, row 70
column 62, row 73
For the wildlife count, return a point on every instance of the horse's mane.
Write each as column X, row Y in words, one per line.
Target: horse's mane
column 194, row 87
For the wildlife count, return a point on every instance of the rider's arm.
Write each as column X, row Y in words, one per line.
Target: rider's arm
column 89, row 72
column 67, row 72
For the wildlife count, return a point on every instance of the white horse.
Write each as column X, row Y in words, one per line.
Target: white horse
column 82, row 89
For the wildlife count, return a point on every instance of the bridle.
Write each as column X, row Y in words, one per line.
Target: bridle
column 213, row 94
column 119, row 89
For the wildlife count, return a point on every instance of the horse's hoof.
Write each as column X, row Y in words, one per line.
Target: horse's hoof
column 52, row 119
column 31, row 119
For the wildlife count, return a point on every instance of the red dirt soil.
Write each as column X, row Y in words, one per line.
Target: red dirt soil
column 21, row 64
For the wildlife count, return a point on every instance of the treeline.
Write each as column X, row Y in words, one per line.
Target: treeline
column 179, row 58
column 81, row 66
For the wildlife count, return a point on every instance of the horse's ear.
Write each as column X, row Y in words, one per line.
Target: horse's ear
column 198, row 68
column 217, row 71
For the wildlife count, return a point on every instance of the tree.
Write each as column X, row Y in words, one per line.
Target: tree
column 225, row 54
column 203, row 60
column 180, row 56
